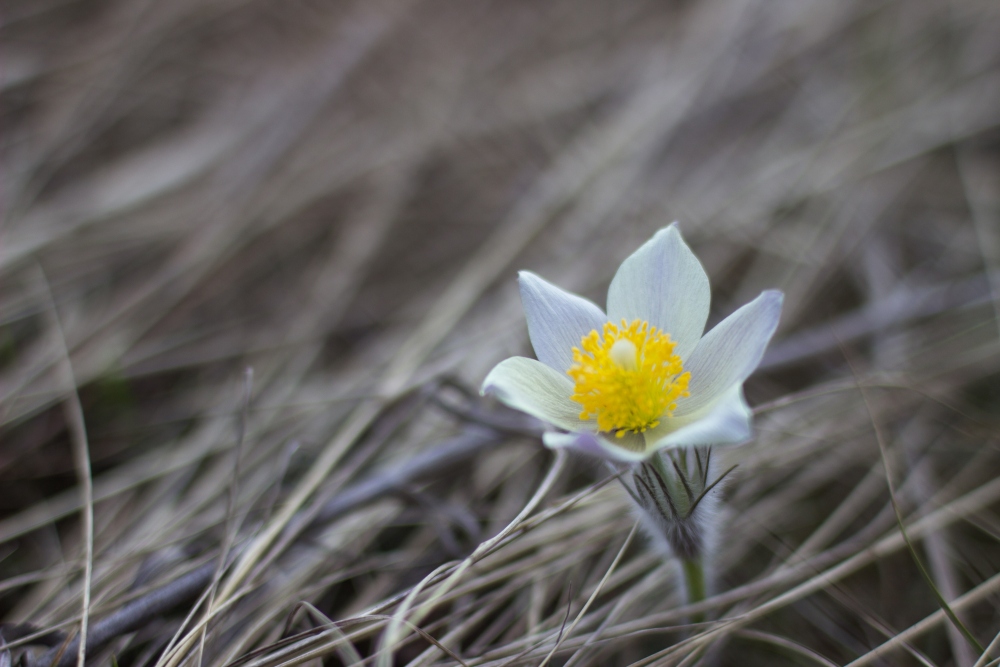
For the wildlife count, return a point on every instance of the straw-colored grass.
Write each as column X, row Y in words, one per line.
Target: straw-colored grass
column 336, row 196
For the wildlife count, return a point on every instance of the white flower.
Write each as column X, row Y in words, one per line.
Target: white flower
column 642, row 378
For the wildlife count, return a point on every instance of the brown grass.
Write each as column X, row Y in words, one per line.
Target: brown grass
column 337, row 196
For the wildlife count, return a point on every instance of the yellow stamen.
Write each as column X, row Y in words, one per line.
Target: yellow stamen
column 627, row 378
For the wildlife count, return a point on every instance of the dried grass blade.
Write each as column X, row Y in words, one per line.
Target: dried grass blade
column 81, row 458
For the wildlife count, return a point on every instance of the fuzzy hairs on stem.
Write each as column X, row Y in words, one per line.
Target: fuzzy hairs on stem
column 676, row 495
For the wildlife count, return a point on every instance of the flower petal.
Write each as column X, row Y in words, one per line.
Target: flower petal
column 663, row 283
column 730, row 352
column 557, row 320
column 625, row 450
column 532, row 387
column 727, row 422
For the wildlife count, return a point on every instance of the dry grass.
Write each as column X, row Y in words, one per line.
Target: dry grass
column 337, row 195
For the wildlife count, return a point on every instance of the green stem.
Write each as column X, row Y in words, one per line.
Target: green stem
column 694, row 581
column 670, row 479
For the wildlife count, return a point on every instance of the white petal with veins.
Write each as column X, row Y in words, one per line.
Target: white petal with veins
column 664, row 284
column 557, row 320
column 532, row 387
column 730, row 352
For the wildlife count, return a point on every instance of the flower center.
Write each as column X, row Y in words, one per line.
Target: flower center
column 628, row 378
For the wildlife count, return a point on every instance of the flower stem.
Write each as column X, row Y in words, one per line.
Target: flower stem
column 670, row 478
column 694, row 581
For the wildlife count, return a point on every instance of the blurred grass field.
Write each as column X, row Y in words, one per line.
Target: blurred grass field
column 338, row 196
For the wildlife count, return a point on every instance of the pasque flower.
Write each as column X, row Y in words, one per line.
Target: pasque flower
column 644, row 389
column 641, row 378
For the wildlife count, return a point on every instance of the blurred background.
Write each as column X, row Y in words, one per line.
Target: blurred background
column 338, row 195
